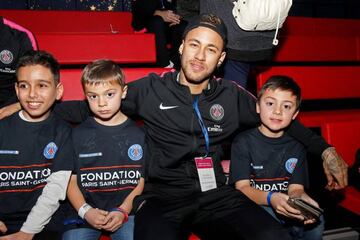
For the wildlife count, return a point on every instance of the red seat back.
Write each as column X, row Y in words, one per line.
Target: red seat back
column 344, row 136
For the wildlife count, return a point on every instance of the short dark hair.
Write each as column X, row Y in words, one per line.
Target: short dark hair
column 102, row 70
column 284, row 83
column 210, row 21
column 43, row 58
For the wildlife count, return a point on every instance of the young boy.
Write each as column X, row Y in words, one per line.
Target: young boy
column 268, row 165
column 35, row 147
column 109, row 147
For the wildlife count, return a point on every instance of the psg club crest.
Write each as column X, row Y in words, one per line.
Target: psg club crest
column 50, row 150
column 290, row 164
column 6, row 56
column 217, row 112
column 135, row 152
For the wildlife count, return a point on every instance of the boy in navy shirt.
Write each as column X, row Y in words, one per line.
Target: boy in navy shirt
column 269, row 166
column 109, row 148
column 35, row 148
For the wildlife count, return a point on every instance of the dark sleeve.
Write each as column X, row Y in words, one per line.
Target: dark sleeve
column 136, row 93
column 145, row 8
column 65, row 156
column 248, row 117
column 25, row 43
column 240, row 160
column 300, row 174
column 313, row 142
column 72, row 111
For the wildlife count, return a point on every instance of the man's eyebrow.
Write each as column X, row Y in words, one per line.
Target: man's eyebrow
column 209, row 45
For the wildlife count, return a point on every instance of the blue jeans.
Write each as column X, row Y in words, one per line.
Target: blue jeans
column 299, row 231
column 126, row 232
column 237, row 71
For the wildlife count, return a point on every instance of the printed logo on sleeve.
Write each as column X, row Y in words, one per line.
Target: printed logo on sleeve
column 290, row 164
column 50, row 150
column 6, row 57
column 135, row 152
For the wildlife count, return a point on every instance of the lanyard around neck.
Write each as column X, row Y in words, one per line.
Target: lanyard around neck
column 202, row 125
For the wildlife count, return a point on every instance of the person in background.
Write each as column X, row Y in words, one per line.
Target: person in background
column 15, row 41
column 244, row 48
column 269, row 166
column 160, row 17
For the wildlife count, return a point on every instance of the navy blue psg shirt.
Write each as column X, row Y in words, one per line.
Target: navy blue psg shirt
column 109, row 161
column 29, row 152
column 271, row 164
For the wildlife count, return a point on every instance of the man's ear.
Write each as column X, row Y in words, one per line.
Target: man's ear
column 181, row 48
column 221, row 59
column 59, row 91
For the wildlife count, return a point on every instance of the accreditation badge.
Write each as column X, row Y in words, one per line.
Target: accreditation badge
column 205, row 169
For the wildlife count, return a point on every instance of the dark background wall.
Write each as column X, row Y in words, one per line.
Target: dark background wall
column 309, row 8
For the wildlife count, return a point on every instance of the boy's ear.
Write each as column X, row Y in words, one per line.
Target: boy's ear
column 295, row 114
column 17, row 89
column 59, row 91
column 123, row 95
column 257, row 107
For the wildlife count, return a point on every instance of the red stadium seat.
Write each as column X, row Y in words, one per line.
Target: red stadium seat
column 53, row 21
column 345, row 137
column 319, row 83
column 80, row 48
column 70, row 78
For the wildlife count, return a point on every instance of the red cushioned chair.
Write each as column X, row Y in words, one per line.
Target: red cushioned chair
column 345, row 137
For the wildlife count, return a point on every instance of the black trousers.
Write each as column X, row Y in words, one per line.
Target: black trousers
column 165, row 34
column 222, row 213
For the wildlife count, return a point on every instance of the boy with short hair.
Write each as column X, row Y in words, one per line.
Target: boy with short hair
column 268, row 165
column 35, row 147
column 109, row 149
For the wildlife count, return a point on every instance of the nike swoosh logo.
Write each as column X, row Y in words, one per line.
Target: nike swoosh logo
column 162, row 107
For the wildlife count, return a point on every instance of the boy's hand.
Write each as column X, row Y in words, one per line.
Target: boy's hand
column 96, row 217
column 114, row 221
column 308, row 199
column 3, row 227
column 18, row 236
column 334, row 167
column 280, row 205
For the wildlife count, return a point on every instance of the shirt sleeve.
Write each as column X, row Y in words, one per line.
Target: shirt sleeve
column 313, row 142
column 240, row 163
column 72, row 111
column 65, row 155
column 248, row 117
column 47, row 203
column 300, row 174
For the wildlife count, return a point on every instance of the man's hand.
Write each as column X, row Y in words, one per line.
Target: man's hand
column 8, row 110
column 335, row 169
column 168, row 16
column 18, row 236
column 3, row 227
